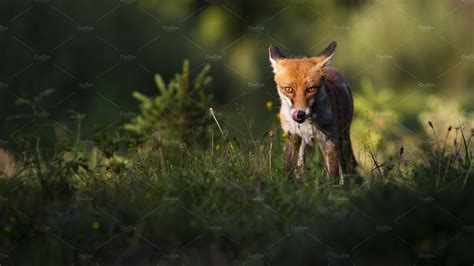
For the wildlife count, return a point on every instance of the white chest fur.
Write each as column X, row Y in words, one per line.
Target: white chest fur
column 305, row 130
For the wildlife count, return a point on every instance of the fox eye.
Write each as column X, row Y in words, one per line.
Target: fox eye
column 311, row 89
column 288, row 89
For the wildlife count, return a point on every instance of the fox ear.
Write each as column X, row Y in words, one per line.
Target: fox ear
column 275, row 55
column 326, row 55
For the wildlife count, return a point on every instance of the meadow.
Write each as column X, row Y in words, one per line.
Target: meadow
column 154, row 192
column 117, row 150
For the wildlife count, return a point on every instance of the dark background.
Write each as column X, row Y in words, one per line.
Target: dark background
column 407, row 61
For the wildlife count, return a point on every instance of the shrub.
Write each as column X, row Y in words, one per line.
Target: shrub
column 178, row 112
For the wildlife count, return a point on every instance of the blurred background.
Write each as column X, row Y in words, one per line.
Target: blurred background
column 408, row 62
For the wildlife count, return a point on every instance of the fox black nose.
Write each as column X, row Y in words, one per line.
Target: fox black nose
column 299, row 116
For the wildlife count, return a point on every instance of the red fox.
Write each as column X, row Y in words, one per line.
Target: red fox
column 316, row 102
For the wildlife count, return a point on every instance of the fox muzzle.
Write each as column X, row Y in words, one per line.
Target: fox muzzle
column 298, row 115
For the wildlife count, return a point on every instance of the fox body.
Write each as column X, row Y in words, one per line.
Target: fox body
column 316, row 104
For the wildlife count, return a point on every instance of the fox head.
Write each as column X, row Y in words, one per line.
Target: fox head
column 300, row 80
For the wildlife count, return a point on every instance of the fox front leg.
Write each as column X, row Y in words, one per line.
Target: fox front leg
column 301, row 159
column 291, row 144
column 329, row 151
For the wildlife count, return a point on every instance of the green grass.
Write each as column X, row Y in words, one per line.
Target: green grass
column 108, row 202
column 195, row 195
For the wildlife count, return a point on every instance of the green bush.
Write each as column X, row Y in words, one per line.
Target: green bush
column 178, row 112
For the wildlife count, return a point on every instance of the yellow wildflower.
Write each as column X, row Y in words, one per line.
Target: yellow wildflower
column 96, row 225
column 269, row 105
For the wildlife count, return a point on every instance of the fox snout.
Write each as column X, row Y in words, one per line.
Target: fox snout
column 301, row 110
column 299, row 116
